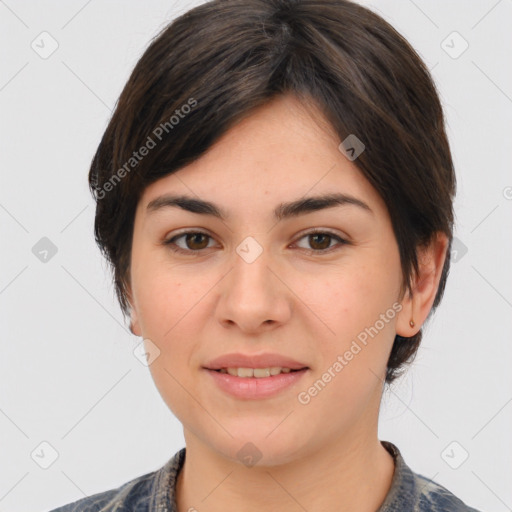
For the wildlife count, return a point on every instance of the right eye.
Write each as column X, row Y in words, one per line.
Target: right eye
column 194, row 242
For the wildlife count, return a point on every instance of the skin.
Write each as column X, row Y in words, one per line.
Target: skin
column 324, row 455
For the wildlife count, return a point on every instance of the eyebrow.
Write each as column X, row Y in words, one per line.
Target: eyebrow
column 282, row 211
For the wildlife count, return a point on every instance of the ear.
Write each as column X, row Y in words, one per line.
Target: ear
column 134, row 316
column 417, row 307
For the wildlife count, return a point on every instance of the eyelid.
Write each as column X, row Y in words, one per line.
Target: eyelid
column 313, row 231
column 324, row 231
column 186, row 231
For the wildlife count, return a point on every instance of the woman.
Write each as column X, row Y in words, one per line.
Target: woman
column 275, row 196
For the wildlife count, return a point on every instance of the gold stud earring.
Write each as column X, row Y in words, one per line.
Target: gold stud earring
column 411, row 323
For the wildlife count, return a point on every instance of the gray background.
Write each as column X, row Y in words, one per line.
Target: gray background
column 68, row 374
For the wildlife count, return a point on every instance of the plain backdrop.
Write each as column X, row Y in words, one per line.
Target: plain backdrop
column 79, row 413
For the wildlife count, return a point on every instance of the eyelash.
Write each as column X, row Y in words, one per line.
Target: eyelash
column 171, row 242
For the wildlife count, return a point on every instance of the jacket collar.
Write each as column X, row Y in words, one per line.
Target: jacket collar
column 404, row 489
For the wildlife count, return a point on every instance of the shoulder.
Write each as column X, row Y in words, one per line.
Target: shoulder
column 414, row 492
column 146, row 493
column 124, row 497
column 433, row 497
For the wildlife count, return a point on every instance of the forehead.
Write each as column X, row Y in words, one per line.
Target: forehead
column 280, row 152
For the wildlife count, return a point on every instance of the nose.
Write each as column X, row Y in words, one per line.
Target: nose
column 253, row 295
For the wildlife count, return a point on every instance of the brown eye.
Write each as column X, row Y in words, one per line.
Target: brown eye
column 196, row 241
column 319, row 242
column 191, row 242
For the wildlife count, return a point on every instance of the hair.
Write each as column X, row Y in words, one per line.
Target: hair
column 210, row 67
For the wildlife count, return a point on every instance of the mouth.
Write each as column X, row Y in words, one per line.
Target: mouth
column 246, row 383
column 257, row 373
column 254, row 365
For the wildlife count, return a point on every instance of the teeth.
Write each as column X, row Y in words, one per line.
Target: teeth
column 255, row 372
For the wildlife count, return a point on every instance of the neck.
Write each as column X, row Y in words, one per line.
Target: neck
column 352, row 473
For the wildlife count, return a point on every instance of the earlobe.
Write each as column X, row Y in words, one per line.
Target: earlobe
column 134, row 322
column 406, row 324
column 416, row 307
column 134, row 317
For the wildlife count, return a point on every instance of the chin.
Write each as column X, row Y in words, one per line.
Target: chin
column 253, row 447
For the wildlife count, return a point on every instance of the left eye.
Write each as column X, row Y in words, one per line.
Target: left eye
column 321, row 240
column 196, row 241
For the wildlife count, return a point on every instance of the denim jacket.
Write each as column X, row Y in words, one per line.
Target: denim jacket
column 155, row 492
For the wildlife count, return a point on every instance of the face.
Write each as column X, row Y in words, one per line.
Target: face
column 317, row 286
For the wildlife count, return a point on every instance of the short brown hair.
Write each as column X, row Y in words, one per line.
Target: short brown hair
column 212, row 65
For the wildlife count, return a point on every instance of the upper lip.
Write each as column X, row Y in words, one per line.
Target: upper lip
column 267, row 360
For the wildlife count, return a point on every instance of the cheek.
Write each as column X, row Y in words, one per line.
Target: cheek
column 349, row 299
column 174, row 306
column 164, row 296
column 357, row 306
column 166, row 311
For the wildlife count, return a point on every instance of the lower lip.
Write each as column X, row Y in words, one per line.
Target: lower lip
column 255, row 388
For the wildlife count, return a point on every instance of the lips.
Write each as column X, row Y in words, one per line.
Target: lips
column 255, row 388
column 266, row 360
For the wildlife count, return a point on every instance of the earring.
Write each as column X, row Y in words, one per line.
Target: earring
column 411, row 323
